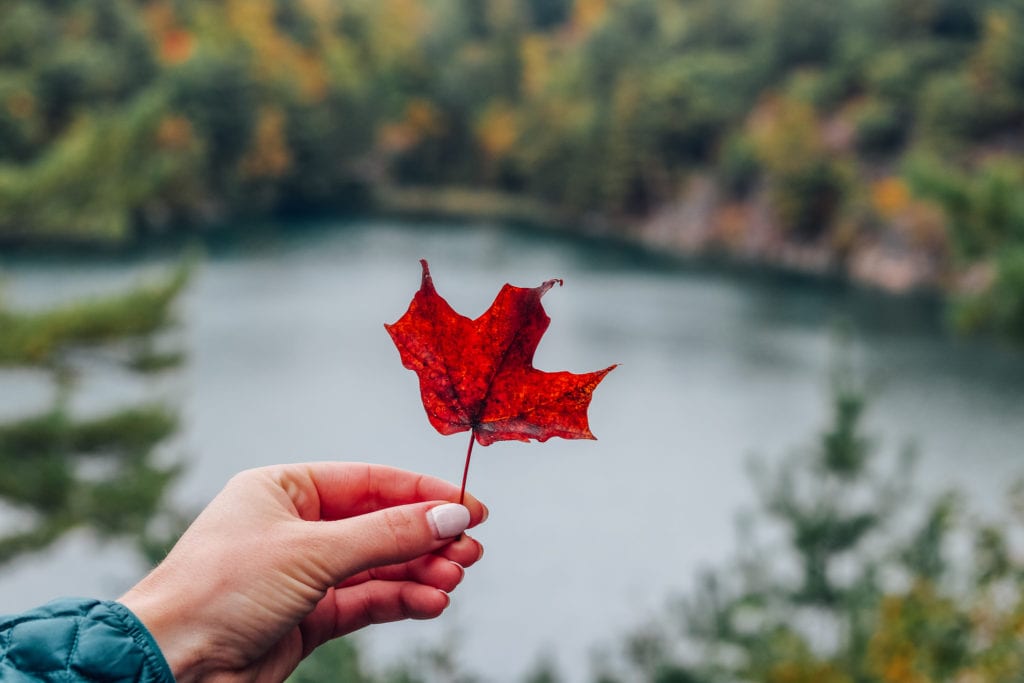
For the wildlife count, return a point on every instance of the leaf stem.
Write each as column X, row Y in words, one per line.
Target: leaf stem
column 465, row 471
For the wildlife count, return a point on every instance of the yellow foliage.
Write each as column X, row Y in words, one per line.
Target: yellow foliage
column 277, row 56
column 421, row 120
column 535, row 53
column 587, row 14
column 891, row 651
column 806, row 672
column 922, row 224
column 269, row 155
column 312, row 75
column 504, row 12
column 786, row 134
column 996, row 50
column 898, row 651
column 889, row 196
column 397, row 27
column 998, row 26
column 324, row 11
column 497, row 130
column 408, row 15
column 423, row 117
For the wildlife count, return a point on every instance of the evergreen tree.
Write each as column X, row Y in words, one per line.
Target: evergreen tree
column 60, row 471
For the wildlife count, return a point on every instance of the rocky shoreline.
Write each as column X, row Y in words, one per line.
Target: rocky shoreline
column 700, row 223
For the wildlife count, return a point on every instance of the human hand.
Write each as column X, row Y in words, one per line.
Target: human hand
column 290, row 556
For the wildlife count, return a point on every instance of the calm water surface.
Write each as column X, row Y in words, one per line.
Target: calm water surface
column 288, row 360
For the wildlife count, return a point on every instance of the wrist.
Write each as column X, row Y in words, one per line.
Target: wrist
column 181, row 643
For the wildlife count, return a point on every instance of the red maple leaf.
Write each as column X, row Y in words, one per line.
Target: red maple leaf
column 478, row 374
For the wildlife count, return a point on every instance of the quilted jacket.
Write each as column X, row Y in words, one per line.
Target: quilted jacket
column 72, row 640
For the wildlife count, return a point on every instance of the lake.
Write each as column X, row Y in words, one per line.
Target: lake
column 289, row 361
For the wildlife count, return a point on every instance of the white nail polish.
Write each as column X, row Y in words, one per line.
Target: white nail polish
column 448, row 520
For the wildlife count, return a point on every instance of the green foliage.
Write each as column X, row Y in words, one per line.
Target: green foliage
column 341, row 660
column 950, row 110
column 118, row 116
column 694, row 99
column 850, row 588
column 738, row 166
column 801, row 32
column 335, row 661
column 218, row 95
column 881, row 128
column 119, row 119
column 87, row 185
column 848, row 578
column 985, row 208
column 809, row 198
column 999, row 309
column 59, row 471
column 29, row 338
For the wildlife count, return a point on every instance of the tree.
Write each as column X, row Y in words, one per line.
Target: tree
column 850, row 587
column 60, row 471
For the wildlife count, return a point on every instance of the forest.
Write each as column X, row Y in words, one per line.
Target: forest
column 878, row 140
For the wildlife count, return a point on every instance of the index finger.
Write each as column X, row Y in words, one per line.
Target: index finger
column 338, row 490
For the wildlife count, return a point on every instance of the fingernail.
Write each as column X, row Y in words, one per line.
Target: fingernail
column 487, row 513
column 448, row 520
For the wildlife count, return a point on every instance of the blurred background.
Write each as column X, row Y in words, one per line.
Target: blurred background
column 797, row 225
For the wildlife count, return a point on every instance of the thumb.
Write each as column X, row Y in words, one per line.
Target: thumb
column 389, row 536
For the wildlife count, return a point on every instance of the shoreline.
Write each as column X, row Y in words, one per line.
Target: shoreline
column 687, row 231
column 681, row 232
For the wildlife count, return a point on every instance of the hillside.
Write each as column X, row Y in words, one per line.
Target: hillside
column 881, row 139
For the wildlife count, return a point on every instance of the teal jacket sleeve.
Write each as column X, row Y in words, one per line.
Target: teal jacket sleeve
column 73, row 640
